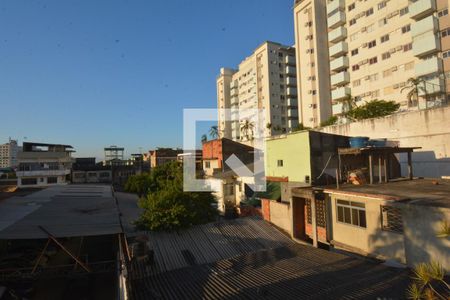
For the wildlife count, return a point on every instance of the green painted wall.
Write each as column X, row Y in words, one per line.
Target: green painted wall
column 294, row 150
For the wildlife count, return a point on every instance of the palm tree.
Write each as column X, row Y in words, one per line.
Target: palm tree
column 204, row 138
column 413, row 85
column 214, row 132
column 426, row 278
column 247, row 127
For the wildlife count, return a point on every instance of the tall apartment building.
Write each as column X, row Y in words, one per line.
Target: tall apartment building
column 266, row 79
column 313, row 71
column 44, row 165
column 8, row 154
column 374, row 47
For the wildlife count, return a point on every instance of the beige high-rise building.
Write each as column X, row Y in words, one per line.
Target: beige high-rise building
column 375, row 46
column 311, row 43
column 266, row 79
column 8, row 154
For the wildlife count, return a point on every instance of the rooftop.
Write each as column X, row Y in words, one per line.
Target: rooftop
column 427, row 192
column 64, row 211
column 248, row 258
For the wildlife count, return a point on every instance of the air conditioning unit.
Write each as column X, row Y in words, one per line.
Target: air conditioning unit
column 392, row 50
column 399, row 48
column 364, row 29
column 394, row 69
column 364, row 45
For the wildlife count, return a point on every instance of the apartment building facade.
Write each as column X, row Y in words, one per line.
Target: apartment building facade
column 43, row 165
column 8, row 154
column 264, row 80
column 374, row 47
column 313, row 72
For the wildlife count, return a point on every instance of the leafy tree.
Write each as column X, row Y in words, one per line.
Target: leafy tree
column 247, row 129
column 414, row 87
column 373, row 109
column 214, row 132
column 204, row 138
column 331, row 121
column 166, row 206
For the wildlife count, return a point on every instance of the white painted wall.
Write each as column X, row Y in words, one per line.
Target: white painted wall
column 429, row 129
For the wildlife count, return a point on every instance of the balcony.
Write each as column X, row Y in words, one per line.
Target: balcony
column 234, row 101
column 339, row 49
column 339, row 108
column 336, row 4
column 339, row 64
column 43, row 172
column 292, row 102
column 234, row 92
column 428, row 66
column 341, row 78
column 293, row 113
column 289, row 60
column 336, row 20
column 433, row 86
column 290, row 70
column 340, row 93
column 421, row 9
column 291, row 92
column 337, row 34
column 291, row 81
column 234, row 84
column 426, row 44
column 430, row 23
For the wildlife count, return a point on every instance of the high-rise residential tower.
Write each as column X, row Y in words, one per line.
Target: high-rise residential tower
column 8, row 154
column 266, row 79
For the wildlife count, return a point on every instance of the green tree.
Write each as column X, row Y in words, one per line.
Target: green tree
column 373, row 109
column 413, row 85
column 247, row 129
column 331, row 121
column 166, row 206
column 214, row 132
column 204, row 138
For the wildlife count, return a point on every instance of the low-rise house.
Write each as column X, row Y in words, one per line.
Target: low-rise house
column 160, row 156
column 43, row 164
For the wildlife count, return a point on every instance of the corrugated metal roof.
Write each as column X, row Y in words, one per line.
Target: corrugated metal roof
column 65, row 211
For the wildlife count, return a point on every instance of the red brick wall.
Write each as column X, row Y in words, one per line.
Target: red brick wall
column 246, row 211
column 265, row 206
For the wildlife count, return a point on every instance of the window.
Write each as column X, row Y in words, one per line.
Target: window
column 356, row 82
column 354, row 52
column 445, row 32
column 351, row 6
column 384, row 38
column 52, row 179
column 355, row 67
column 352, row 22
column 383, row 22
column 446, row 54
column 372, row 44
column 382, row 5
column 385, row 55
column 391, row 219
column 29, row 181
column 443, row 12
column 407, row 47
column 369, row 12
column 350, row 212
column 280, row 163
column 406, row 28
column 404, row 11
column 207, row 164
column 354, row 36
column 373, row 60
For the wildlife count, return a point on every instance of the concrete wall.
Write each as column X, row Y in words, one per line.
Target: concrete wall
column 421, row 225
column 370, row 240
column 278, row 213
column 429, row 129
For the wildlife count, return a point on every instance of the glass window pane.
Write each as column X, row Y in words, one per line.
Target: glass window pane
column 340, row 214
column 347, row 218
column 358, row 204
column 355, row 217
column 362, row 218
column 343, row 202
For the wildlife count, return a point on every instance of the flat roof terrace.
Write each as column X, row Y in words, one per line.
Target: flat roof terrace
column 64, row 211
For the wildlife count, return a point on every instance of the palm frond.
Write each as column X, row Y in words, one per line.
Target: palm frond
column 414, row 292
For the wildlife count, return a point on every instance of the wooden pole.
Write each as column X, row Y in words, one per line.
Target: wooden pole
column 313, row 220
column 40, row 256
column 50, row 236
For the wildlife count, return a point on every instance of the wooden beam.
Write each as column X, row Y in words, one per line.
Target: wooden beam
column 50, row 236
column 40, row 256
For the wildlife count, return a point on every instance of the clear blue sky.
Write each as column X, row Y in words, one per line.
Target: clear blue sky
column 105, row 72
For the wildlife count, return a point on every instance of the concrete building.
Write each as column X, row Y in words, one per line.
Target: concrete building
column 160, row 156
column 8, row 154
column 43, row 164
column 266, row 79
column 313, row 70
column 373, row 48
